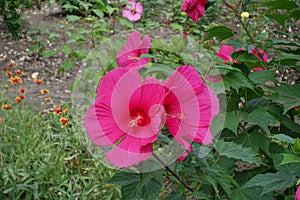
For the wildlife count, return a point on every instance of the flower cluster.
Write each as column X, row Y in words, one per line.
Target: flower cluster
column 130, row 110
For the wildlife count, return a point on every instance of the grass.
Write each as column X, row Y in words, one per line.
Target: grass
column 42, row 159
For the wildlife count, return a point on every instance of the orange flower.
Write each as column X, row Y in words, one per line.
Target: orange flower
column 65, row 110
column 48, row 99
column 57, row 110
column 8, row 73
column 15, row 80
column 22, row 90
column 11, row 64
column 38, row 81
column 44, row 91
column 6, row 106
column 63, row 121
column 18, row 99
column 22, row 96
column 4, row 69
column 19, row 72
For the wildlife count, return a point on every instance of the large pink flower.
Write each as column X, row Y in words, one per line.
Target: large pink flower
column 127, row 111
column 129, row 55
column 194, row 8
column 297, row 195
column 225, row 52
column 133, row 11
column 190, row 106
column 260, row 54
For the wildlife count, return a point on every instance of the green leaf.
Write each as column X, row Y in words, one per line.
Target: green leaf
column 289, row 158
column 126, row 22
column 221, row 32
column 280, row 4
column 254, row 141
column 280, row 18
column 66, row 49
column 176, row 26
column 99, row 13
column 49, row 54
column 236, row 80
column 260, row 77
column 124, row 178
column 176, row 195
column 283, row 138
column 236, row 151
column 232, row 121
column 272, row 181
column 251, row 193
column 68, row 65
column 287, row 95
column 297, row 146
column 261, row 117
column 151, row 189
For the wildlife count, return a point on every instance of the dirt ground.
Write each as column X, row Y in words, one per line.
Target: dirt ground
column 34, row 67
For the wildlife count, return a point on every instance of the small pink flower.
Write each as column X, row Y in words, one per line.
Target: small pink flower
column 127, row 111
column 297, row 195
column 129, row 55
column 255, row 69
column 190, row 106
column 260, row 54
column 225, row 52
column 194, row 8
column 133, row 11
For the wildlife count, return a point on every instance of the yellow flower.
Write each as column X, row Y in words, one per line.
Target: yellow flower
column 63, row 121
column 245, row 15
column 6, row 106
column 15, row 80
column 44, row 91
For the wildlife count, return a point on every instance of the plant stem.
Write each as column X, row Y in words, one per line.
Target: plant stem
column 173, row 173
column 240, row 20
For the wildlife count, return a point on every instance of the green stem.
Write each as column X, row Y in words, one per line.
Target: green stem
column 173, row 173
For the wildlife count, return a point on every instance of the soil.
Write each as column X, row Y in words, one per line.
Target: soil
column 17, row 52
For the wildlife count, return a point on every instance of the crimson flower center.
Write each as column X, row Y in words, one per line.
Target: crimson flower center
column 139, row 118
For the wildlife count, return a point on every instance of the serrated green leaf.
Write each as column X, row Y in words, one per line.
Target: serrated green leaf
column 49, row 54
column 287, row 95
column 124, row 178
column 151, row 189
column 251, row 193
column 232, row 121
column 236, row 151
column 221, row 32
column 260, row 77
column 261, row 117
column 272, row 181
column 236, row 80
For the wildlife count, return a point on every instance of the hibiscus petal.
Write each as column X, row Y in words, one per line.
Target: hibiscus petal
column 105, row 133
column 195, row 101
column 225, row 52
column 131, row 151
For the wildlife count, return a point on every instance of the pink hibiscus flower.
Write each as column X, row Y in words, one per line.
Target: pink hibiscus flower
column 255, row 69
column 297, row 195
column 260, row 54
column 133, row 11
column 194, row 8
column 129, row 55
column 129, row 112
column 190, row 106
column 225, row 52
